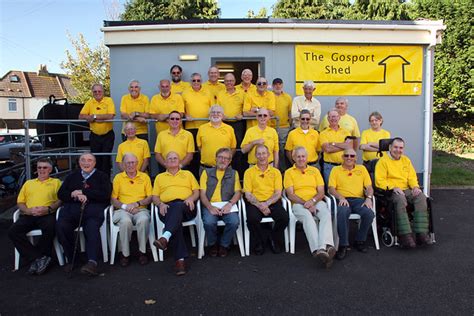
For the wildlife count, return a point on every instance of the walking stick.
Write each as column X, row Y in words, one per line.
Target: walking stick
column 76, row 241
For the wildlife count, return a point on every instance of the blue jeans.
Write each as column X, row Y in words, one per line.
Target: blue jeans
column 231, row 221
column 326, row 172
column 343, row 213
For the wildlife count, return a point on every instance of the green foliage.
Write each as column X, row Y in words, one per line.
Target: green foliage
column 261, row 14
column 453, row 136
column 86, row 66
column 378, row 10
column 311, row 9
column 149, row 10
column 454, row 58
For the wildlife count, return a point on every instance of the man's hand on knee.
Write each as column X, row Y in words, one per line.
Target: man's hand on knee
column 398, row 191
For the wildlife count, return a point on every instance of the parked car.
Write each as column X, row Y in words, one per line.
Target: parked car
column 16, row 143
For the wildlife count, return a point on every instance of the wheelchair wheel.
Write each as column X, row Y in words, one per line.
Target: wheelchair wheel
column 387, row 238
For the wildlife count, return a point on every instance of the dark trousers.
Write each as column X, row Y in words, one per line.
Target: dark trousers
column 259, row 235
column 178, row 212
column 25, row 224
column 196, row 161
column 103, row 144
column 91, row 221
column 239, row 163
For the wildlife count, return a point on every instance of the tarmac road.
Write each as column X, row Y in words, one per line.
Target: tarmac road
column 433, row 280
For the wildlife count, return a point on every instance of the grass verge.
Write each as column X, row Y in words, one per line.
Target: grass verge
column 451, row 170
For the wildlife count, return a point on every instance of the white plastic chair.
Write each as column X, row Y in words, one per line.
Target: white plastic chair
column 115, row 229
column 238, row 233
column 103, row 236
column 264, row 220
column 195, row 222
column 355, row 217
column 30, row 235
column 293, row 220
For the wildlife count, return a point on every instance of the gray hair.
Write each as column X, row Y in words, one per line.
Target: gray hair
column 298, row 149
column 216, row 107
column 309, row 83
column 134, row 80
column 345, row 100
column 129, row 155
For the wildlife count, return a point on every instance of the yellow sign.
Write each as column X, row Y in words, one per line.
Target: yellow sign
column 360, row 70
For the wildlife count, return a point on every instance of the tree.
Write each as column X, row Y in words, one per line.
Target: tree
column 143, row 10
column 311, row 9
column 379, row 10
column 87, row 66
column 260, row 15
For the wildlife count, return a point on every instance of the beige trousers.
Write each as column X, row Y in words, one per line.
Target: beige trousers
column 126, row 221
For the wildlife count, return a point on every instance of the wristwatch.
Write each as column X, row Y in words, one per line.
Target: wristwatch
column 369, row 197
column 314, row 200
column 94, row 117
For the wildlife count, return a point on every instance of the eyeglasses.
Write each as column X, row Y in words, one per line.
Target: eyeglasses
column 223, row 157
column 42, row 167
column 262, row 115
column 174, row 118
column 305, row 119
column 216, row 112
column 347, row 156
column 196, row 80
column 175, row 73
column 261, row 83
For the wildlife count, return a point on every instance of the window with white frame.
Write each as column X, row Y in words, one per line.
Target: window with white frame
column 12, row 105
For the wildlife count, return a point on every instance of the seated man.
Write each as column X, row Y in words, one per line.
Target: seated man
column 37, row 202
column 347, row 183
column 131, row 194
column 133, row 144
column 395, row 171
column 262, row 187
column 305, row 188
column 174, row 192
column 220, row 184
column 90, row 187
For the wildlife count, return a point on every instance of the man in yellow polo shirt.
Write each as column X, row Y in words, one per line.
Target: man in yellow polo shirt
column 282, row 110
column 352, row 187
column 37, row 202
column 220, row 192
column 131, row 193
column 304, row 136
column 177, row 85
column 333, row 140
column 394, row 171
column 305, row 189
column 262, row 187
column 212, row 85
column 260, row 99
column 175, row 139
column 96, row 111
column 163, row 103
column 214, row 135
column 246, row 85
column 135, row 107
column 134, row 145
column 261, row 135
column 196, row 103
column 175, row 193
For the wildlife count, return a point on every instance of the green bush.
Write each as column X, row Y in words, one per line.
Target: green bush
column 453, row 137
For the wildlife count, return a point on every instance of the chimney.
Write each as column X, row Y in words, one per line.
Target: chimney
column 43, row 70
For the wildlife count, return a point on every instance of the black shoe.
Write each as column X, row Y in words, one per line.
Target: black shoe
column 360, row 246
column 341, row 253
column 259, row 250
column 275, row 247
column 90, row 269
column 42, row 264
column 33, row 267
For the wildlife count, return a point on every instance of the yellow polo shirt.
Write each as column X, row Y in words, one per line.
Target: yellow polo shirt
column 138, row 147
column 350, row 183
column 348, row 122
column 304, row 182
column 331, row 136
column 253, row 99
column 391, row 173
column 169, row 187
column 210, row 139
column 180, row 87
column 282, row 109
column 182, row 143
column 105, row 106
column 140, row 104
column 262, row 184
column 309, row 140
column 39, row 193
column 371, row 136
column 160, row 105
column 213, row 89
column 232, row 103
column 216, row 196
column 130, row 190
column 252, row 88
column 196, row 104
column 270, row 137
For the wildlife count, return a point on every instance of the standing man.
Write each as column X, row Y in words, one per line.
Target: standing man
column 135, row 107
column 282, row 110
column 212, row 85
column 175, row 192
column 262, row 187
column 395, row 172
column 177, row 85
column 304, row 136
column 37, row 202
column 261, row 99
column 220, row 191
column 246, row 85
column 131, row 194
column 352, row 187
column 96, row 111
column 137, row 146
column 334, row 140
column 214, row 135
column 163, row 103
column 90, row 187
column 308, row 102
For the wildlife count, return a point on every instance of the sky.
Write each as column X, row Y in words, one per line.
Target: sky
column 34, row 32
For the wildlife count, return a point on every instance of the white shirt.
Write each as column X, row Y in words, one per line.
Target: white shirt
column 301, row 103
